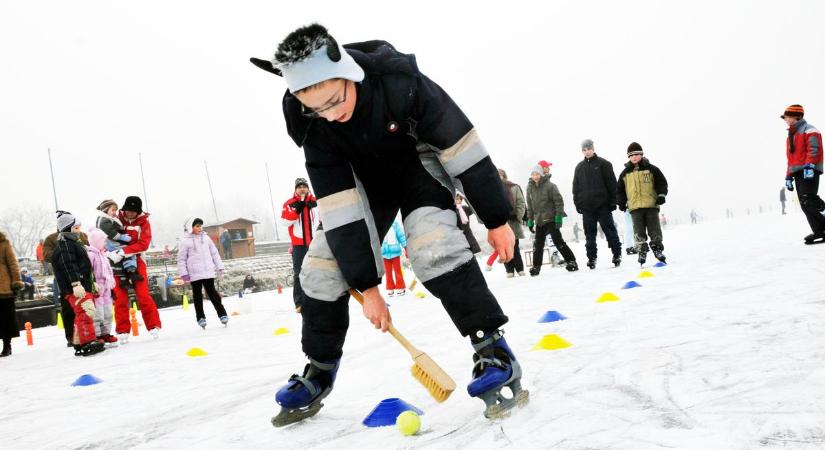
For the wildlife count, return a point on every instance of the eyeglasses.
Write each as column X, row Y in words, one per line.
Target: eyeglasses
column 313, row 113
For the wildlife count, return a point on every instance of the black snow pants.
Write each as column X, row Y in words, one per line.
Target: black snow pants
column 551, row 229
column 646, row 222
column 602, row 216
column 215, row 297
column 812, row 205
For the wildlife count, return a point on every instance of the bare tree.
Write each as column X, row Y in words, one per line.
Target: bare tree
column 25, row 228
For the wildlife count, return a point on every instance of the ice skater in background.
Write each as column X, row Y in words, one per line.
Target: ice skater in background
column 199, row 263
column 642, row 190
column 108, row 222
column 105, row 279
column 394, row 244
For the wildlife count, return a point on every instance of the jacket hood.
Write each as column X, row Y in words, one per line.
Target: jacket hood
column 97, row 238
column 187, row 225
column 106, row 216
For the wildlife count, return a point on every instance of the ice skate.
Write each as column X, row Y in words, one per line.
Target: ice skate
column 89, row 349
column 534, row 271
column 109, row 341
column 302, row 396
column 617, row 259
column 572, row 266
column 224, row 320
column 496, row 368
column 814, row 238
column 400, row 292
column 591, row 263
column 123, row 338
column 643, row 254
column 155, row 332
column 202, row 323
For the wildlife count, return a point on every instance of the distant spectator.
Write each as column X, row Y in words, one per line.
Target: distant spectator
column 226, row 243
column 44, row 265
column 782, row 199
column 394, row 244
column 249, row 284
column 463, row 212
column 199, row 263
column 300, row 215
column 28, row 285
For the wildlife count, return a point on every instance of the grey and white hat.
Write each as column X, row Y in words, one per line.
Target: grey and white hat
column 308, row 56
column 587, row 143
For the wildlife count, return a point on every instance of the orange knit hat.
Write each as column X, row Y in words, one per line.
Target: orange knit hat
column 794, row 111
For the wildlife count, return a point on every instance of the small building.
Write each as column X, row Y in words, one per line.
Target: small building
column 240, row 233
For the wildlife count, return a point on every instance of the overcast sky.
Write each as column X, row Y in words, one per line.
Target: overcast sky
column 700, row 85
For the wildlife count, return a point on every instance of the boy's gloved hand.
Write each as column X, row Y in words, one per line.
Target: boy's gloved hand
column 558, row 220
column 531, row 226
column 125, row 238
column 622, row 208
column 660, row 200
column 808, row 171
column 789, row 183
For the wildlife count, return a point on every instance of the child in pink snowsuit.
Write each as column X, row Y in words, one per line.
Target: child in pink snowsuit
column 105, row 283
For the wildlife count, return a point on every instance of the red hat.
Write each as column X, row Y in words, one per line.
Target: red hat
column 544, row 163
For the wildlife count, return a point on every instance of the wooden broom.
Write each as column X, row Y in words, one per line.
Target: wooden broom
column 424, row 369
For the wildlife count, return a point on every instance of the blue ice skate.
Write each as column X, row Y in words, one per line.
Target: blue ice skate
column 301, row 397
column 495, row 368
column 224, row 320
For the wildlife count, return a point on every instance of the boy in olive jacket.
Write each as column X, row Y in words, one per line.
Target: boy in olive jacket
column 642, row 189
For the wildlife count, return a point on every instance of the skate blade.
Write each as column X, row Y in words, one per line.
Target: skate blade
column 290, row 416
column 504, row 407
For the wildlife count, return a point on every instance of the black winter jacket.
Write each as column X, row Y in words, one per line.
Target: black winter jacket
column 71, row 264
column 594, row 185
column 400, row 116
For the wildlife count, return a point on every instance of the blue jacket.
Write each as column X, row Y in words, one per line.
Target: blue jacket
column 394, row 242
column 27, row 278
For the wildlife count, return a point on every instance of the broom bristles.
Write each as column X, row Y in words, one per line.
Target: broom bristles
column 433, row 378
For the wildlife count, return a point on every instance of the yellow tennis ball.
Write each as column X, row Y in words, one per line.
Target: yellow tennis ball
column 408, row 423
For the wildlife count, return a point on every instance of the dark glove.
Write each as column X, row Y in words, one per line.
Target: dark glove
column 558, row 220
column 660, row 200
column 808, row 171
column 612, row 207
column 622, row 208
column 531, row 226
column 789, row 183
column 312, row 204
column 298, row 205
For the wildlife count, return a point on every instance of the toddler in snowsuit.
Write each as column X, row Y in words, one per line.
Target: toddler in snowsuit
column 105, row 279
column 108, row 222
column 642, row 189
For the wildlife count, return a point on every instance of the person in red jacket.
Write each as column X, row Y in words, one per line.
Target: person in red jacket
column 804, row 150
column 300, row 216
column 136, row 223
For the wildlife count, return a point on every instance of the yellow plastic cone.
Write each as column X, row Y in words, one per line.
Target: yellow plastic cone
column 280, row 331
column 420, row 294
column 646, row 274
column 235, row 313
column 185, row 303
column 551, row 342
column 608, row 297
column 196, row 352
column 59, row 321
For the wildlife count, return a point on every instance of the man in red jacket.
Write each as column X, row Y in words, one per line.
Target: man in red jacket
column 299, row 215
column 137, row 226
column 804, row 150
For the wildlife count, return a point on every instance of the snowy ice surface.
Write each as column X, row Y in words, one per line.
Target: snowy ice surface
column 723, row 349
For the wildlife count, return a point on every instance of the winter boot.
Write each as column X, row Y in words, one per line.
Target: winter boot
column 617, row 259
column 123, row 338
column 495, row 367
column 572, row 266
column 202, row 323
column 488, row 268
column 591, row 263
column 534, row 271
column 814, row 238
column 6, row 348
column 89, row 349
column 224, row 320
column 657, row 251
column 155, row 332
column 109, row 340
column 301, row 397
column 521, row 274
column 643, row 253
column 510, row 274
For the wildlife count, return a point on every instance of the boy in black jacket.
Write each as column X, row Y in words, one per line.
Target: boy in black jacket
column 642, row 190
column 379, row 136
column 75, row 280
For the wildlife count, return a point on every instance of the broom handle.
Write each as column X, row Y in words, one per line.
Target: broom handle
column 395, row 333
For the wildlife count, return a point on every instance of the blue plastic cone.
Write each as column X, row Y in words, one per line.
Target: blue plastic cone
column 631, row 285
column 660, row 264
column 387, row 411
column 551, row 316
column 87, row 380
